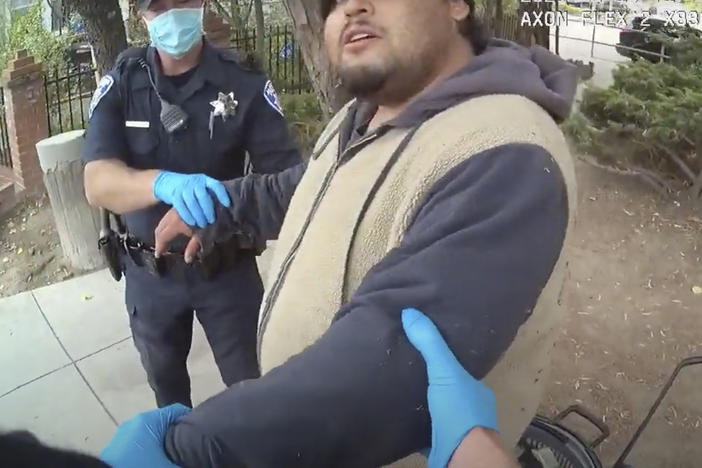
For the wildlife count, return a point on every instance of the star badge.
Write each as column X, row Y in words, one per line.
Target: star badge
column 225, row 105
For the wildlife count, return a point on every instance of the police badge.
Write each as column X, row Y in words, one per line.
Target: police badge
column 225, row 107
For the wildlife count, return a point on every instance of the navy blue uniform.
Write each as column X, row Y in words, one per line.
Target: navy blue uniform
column 125, row 124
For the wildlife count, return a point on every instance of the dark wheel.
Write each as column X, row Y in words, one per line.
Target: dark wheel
column 545, row 444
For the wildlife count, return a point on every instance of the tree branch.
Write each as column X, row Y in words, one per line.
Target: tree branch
column 651, row 178
column 247, row 15
column 679, row 162
column 697, row 185
column 222, row 11
column 654, row 180
column 52, row 4
column 696, row 188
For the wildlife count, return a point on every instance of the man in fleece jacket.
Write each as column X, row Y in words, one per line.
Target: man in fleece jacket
column 446, row 186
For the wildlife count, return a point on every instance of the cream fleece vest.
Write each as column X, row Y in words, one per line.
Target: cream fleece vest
column 343, row 219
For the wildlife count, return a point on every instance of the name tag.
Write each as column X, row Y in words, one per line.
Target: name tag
column 136, row 124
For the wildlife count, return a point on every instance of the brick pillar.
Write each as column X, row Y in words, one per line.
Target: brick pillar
column 25, row 104
column 217, row 31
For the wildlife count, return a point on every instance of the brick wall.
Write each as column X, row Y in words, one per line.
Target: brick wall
column 25, row 103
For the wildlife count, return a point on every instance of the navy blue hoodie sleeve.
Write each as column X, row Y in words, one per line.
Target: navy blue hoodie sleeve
column 475, row 259
column 257, row 210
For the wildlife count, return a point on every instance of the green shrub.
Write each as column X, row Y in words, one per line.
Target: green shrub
column 304, row 118
column 137, row 32
column 28, row 32
column 649, row 120
column 563, row 6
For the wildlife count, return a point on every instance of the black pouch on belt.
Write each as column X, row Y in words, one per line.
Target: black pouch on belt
column 110, row 243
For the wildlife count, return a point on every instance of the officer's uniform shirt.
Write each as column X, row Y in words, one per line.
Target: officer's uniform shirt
column 125, row 123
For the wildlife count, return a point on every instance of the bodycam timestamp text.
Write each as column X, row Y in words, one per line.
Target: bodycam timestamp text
column 603, row 17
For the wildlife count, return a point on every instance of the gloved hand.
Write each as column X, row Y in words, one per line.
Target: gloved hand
column 139, row 442
column 457, row 401
column 188, row 194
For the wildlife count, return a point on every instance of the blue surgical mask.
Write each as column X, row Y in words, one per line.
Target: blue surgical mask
column 176, row 31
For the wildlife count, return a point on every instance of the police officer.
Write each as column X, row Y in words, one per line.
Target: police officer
column 166, row 124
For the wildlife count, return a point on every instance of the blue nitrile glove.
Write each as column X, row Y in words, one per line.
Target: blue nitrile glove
column 139, row 442
column 188, row 194
column 457, row 401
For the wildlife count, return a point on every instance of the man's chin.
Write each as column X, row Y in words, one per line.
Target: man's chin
column 363, row 86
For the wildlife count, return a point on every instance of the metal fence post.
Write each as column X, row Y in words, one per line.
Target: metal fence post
column 5, row 156
column 270, row 47
column 592, row 45
column 65, row 100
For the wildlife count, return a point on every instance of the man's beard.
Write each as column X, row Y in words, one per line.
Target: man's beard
column 391, row 82
column 364, row 81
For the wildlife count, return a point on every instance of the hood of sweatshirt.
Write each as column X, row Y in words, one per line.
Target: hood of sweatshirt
column 503, row 68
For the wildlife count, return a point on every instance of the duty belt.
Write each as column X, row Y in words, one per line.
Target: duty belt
column 116, row 245
column 173, row 265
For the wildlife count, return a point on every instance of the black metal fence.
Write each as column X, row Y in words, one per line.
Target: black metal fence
column 5, row 156
column 281, row 57
column 68, row 94
column 69, row 89
column 507, row 28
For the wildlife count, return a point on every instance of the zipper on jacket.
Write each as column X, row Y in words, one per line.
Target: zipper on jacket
column 277, row 284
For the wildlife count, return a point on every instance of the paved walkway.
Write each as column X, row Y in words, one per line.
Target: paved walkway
column 69, row 371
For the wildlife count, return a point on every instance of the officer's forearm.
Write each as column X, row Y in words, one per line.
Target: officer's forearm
column 113, row 185
column 482, row 448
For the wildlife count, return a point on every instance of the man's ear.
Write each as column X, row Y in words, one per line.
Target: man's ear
column 459, row 9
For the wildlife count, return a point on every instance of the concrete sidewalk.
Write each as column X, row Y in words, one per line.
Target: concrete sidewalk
column 69, row 371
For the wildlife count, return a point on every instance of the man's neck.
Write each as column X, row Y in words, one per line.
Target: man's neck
column 457, row 59
column 172, row 66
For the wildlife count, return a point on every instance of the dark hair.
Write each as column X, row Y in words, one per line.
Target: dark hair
column 325, row 7
column 470, row 28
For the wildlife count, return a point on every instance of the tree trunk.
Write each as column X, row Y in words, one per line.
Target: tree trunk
column 488, row 18
column 533, row 35
column 260, row 30
column 236, row 15
column 309, row 30
column 499, row 18
column 105, row 29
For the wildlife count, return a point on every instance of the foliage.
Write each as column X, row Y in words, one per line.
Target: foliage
column 508, row 7
column 570, row 9
column 277, row 14
column 240, row 13
column 235, row 12
column 137, row 33
column 649, row 120
column 304, row 118
column 692, row 5
column 28, row 32
column 281, row 58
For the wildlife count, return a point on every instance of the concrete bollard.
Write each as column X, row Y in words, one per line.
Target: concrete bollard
column 77, row 223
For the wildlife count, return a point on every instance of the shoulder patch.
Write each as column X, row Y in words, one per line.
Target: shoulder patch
column 102, row 89
column 271, row 97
